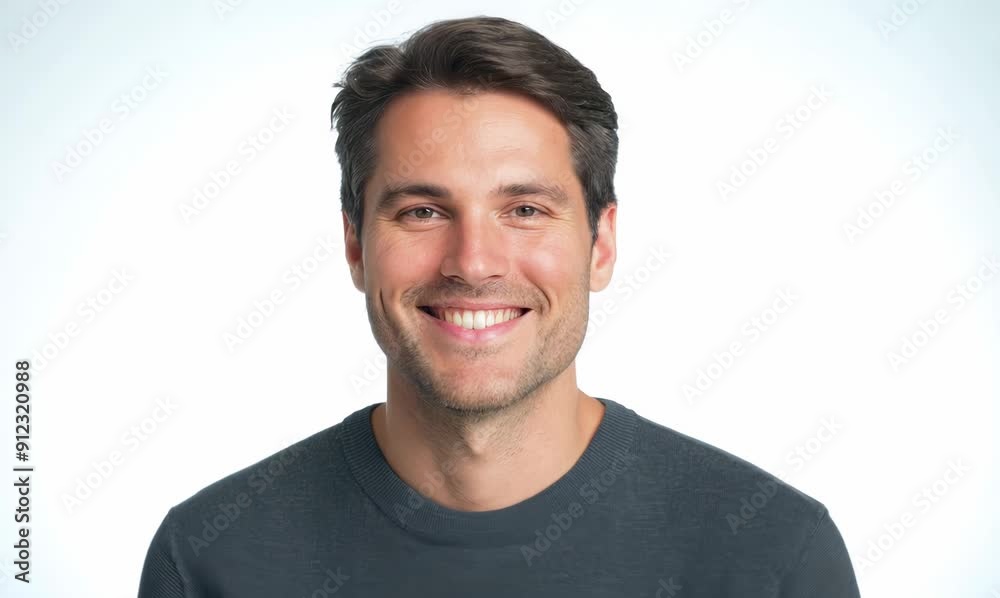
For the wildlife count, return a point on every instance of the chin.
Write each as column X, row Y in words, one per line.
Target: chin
column 471, row 395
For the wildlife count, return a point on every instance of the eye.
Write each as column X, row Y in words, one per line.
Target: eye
column 421, row 213
column 523, row 212
column 532, row 210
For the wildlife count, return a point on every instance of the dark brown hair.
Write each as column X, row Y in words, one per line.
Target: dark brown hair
column 473, row 55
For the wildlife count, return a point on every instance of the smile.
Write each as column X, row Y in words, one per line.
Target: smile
column 476, row 326
column 474, row 319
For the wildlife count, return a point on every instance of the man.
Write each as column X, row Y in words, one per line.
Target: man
column 479, row 211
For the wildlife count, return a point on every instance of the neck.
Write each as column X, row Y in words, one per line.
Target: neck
column 482, row 463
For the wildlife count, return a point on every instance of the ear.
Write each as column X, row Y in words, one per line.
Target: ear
column 352, row 250
column 604, row 252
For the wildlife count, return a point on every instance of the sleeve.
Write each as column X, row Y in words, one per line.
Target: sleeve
column 824, row 567
column 160, row 577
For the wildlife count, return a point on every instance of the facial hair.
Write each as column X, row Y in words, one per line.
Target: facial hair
column 555, row 348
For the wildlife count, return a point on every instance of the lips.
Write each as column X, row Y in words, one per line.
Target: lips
column 437, row 312
column 474, row 319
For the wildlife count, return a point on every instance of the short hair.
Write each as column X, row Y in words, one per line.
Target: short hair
column 470, row 55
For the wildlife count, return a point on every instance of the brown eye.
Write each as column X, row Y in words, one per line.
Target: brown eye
column 421, row 213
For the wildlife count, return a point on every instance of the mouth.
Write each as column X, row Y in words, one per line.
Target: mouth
column 474, row 319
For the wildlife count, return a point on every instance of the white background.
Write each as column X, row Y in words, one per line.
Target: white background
column 695, row 88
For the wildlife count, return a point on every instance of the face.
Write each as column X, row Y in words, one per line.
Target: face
column 474, row 214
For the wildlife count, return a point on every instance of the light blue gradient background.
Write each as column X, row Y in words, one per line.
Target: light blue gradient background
column 680, row 132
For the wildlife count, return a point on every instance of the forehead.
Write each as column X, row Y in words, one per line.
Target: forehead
column 473, row 140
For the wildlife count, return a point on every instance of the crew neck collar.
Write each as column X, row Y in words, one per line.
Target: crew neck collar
column 612, row 442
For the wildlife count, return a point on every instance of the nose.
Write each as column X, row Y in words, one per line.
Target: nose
column 477, row 249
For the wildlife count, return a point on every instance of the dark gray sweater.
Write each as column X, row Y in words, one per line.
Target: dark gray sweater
column 645, row 511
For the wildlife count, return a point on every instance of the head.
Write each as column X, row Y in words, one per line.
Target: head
column 477, row 163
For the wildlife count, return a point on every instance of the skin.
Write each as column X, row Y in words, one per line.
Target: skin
column 483, row 427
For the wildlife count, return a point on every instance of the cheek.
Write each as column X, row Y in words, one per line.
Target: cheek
column 553, row 265
column 395, row 265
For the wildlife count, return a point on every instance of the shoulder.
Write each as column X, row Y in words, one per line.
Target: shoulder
column 699, row 464
column 736, row 503
column 263, row 489
column 233, row 523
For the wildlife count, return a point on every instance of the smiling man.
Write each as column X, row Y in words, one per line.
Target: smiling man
column 477, row 163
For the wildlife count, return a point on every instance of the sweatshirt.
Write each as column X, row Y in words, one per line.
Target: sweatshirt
column 645, row 511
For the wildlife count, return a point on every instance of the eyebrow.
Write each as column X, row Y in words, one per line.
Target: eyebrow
column 394, row 193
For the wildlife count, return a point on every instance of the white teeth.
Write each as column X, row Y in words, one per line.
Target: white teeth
column 477, row 320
